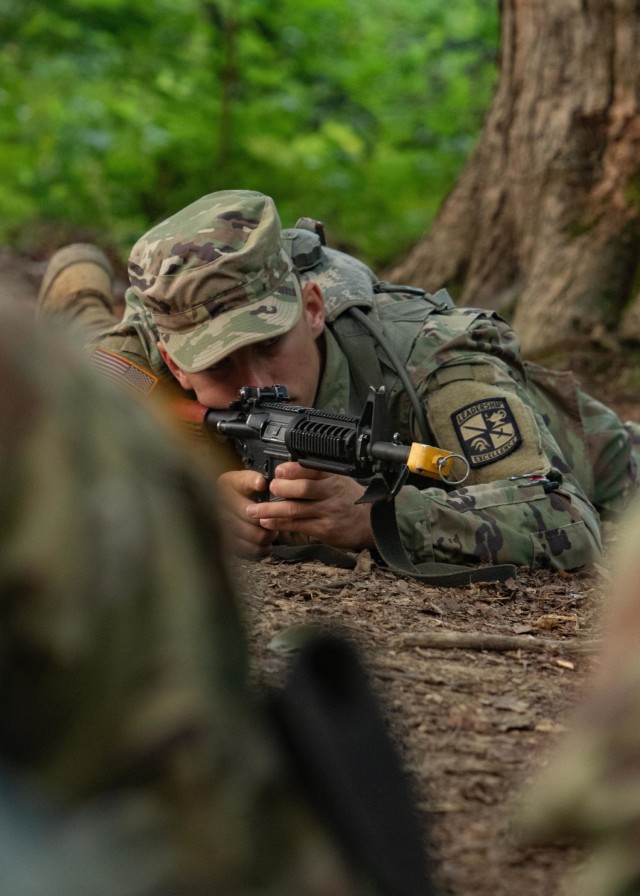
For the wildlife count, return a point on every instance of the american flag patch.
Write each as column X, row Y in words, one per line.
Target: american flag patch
column 124, row 372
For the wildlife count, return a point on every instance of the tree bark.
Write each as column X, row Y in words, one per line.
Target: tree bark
column 543, row 224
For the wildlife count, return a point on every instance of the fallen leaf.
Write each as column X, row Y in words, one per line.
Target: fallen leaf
column 364, row 563
column 293, row 638
column 554, row 620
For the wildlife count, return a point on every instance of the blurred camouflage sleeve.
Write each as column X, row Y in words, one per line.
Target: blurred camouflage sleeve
column 588, row 786
column 122, row 650
column 134, row 337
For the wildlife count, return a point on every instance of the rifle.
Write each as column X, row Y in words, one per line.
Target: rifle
column 266, row 431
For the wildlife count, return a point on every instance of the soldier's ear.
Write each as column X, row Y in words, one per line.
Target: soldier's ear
column 313, row 307
column 182, row 377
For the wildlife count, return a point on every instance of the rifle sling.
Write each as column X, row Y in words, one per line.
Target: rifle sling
column 394, row 556
column 389, row 545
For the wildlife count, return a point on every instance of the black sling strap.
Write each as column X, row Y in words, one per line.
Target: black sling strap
column 389, row 545
column 338, row 737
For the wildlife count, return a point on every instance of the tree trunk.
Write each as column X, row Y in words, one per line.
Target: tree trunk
column 544, row 222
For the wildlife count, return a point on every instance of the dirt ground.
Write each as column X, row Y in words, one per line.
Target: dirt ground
column 473, row 724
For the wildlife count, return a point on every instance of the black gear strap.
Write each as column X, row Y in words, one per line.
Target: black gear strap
column 386, row 534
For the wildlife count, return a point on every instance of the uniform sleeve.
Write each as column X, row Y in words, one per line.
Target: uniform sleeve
column 500, row 522
column 521, row 502
column 135, row 337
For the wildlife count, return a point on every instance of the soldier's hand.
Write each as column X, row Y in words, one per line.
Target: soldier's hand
column 238, row 489
column 320, row 505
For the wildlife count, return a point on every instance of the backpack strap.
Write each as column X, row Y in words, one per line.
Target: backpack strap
column 377, row 337
column 355, row 341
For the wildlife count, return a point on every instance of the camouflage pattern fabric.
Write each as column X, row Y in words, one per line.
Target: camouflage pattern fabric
column 123, row 661
column 345, row 281
column 602, row 450
column 588, row 790
column 215, row 278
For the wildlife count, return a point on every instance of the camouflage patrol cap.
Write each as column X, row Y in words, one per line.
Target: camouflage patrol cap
column 215, row 278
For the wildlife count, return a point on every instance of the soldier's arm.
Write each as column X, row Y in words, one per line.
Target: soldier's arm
column 521, row 502
column 500, row 522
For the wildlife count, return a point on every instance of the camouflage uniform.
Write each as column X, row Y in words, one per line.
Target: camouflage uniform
column 547, row 462
column 123, row 684
column 588, row 790
column 465, row 365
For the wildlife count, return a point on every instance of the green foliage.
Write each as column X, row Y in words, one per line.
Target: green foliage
column 358, row 112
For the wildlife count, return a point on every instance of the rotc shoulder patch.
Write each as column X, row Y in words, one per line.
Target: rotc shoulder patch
column 491, row 426
column 487, row 431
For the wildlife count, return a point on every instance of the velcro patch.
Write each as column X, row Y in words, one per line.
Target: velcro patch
column 487, row 431
column 491, row 426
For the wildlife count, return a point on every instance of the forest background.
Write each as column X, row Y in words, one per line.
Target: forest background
column 360, row 113
column 492, row 147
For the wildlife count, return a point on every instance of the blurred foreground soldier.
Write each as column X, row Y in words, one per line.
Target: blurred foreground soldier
column 589, row 792
column 222, row 298
column 132, row 759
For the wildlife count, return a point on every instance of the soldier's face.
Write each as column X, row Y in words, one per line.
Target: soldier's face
column 293, row 360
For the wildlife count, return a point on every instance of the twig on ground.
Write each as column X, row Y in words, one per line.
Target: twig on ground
column 483, row 641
